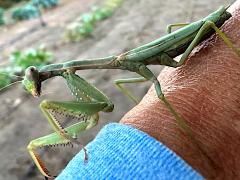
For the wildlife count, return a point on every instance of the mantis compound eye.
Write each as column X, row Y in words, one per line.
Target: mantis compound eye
column 31, row 81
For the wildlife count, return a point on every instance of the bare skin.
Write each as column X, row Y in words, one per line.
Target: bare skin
column 206, row 92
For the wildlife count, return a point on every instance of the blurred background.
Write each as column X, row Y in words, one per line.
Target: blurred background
column 39, row 32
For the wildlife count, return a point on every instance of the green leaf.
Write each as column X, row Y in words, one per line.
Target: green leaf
column 31, row 57
column 28, row 11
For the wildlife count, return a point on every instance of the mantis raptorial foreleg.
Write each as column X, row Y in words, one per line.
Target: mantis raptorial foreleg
column 86, row 112
column 89, row 102
column 125, row 91
column 83, row 111
column 52, row 140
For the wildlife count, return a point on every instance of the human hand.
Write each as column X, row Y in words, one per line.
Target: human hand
column 205, row 91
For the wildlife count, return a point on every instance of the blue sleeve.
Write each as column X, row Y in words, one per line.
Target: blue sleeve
column 123, row 152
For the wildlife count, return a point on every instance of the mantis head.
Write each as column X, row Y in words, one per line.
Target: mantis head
column 31, row 81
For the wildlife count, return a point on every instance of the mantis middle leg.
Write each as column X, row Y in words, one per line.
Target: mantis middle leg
column 170, row 26
column 125, row 91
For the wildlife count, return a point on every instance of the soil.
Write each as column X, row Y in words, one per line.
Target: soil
column 136, row 22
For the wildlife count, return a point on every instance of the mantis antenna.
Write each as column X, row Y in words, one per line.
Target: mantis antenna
column 12, row 75
column 16, row 82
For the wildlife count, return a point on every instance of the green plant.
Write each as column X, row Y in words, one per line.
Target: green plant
column 2, row 16
column 20, row 61
column 81, row 28
column 37, row 57
column 102, row 13
column 46, row 3
column 84, row 25
column 28, row 11
column 8, row 3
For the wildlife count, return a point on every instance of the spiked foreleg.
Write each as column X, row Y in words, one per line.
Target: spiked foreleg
column 82, row 110
column 86, row 112
column 86, row 92
column 54, row 139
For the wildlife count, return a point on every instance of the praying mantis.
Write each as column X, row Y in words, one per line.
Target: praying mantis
column 90, row 101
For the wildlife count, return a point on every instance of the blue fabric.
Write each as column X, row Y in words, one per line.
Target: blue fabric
column 123, row 152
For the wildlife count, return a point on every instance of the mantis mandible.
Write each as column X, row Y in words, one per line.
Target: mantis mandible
column 90, row 100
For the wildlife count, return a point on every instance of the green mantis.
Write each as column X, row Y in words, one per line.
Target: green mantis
column 90, row 101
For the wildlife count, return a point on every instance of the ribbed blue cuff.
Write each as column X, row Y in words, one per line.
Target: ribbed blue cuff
column 123, row 152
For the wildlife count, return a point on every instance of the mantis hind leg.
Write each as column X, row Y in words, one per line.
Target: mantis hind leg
column 146, row 73
column 206, row 26
column 170, row 26
column 125, row 91
column 181, row 122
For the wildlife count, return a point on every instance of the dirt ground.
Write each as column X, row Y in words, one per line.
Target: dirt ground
column 134, row 23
